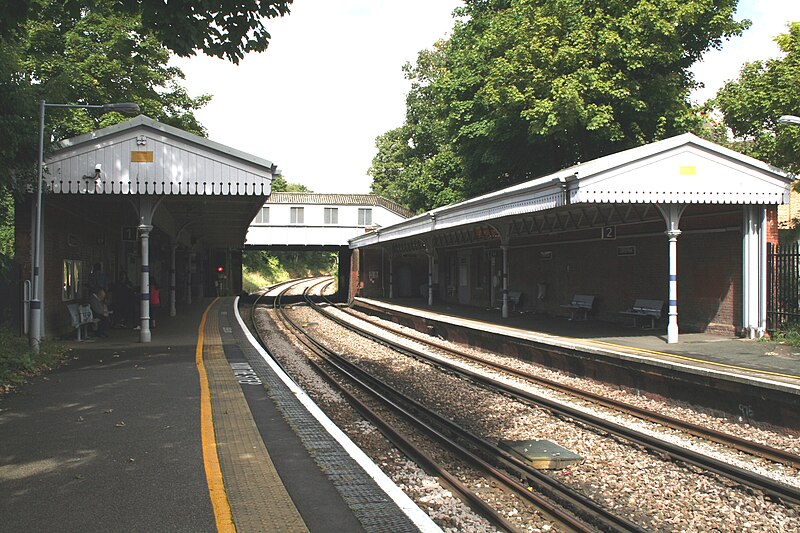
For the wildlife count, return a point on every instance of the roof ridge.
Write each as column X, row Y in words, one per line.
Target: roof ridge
column 340, row 198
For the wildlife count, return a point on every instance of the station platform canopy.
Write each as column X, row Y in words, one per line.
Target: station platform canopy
column 681, row 185
column 685, row 169
column 215, row 188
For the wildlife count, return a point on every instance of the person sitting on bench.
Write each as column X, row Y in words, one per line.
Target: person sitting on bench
column 100, row 310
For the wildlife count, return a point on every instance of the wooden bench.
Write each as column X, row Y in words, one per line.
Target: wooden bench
column 81, row 315
column 516, row 300
column 580, row 305
column 643, row 308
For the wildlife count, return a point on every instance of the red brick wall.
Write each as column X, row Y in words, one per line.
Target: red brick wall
column 772, row 224
column 66, row 235
column 579, row 262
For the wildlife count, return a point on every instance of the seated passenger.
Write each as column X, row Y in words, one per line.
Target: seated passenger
column 100, row 310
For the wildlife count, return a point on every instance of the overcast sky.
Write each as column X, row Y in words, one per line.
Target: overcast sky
column 332, row 80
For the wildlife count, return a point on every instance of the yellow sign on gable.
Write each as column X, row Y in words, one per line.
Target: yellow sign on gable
column 141, row 157
column 688, row 170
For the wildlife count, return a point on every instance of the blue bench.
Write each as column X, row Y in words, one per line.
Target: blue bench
column 644, row 308
column 580, row 306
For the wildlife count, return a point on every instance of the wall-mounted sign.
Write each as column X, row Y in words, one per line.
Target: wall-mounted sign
column 609, row 232
column 545, row 255
column 626, row 251
column 140, row 156
column 128, row 233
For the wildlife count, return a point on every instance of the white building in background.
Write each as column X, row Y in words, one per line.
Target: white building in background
column 319, row 219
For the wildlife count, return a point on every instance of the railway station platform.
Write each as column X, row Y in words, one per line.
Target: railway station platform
column 195, row 431
column 758, row 374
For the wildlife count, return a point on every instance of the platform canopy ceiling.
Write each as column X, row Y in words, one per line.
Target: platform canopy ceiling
column 680, row 170
column 211, row 188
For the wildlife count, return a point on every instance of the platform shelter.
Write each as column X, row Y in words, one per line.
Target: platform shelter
column 680, row 221
column 149, row 203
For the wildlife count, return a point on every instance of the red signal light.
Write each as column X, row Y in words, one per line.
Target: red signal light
column 220, row 269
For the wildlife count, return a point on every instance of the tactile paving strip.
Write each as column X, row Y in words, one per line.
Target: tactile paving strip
column 373, row 508
column 258, row 499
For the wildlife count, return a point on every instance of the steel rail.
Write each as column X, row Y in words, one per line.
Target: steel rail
column 738, row 443
column 591, row 511
column 395, row 437
column 773, row 488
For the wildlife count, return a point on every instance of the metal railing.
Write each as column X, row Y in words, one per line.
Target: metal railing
column 783, row 286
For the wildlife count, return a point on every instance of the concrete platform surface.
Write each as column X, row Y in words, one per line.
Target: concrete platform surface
column 763, row 359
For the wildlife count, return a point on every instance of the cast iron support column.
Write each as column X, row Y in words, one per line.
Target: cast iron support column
column 504, row 248
column 188, row 285
column 391, row 276
column 762, row 274
column 144, row 284
column 430, row 278
column 172, row 280
column 672, row 215
column 672, row 327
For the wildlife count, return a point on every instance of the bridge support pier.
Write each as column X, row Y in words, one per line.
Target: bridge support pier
column 343, row 291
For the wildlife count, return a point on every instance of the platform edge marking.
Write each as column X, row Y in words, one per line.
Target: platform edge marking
column 216, row 487
column 417, row 516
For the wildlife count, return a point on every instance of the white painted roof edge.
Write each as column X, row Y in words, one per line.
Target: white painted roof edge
column 145, row 121
column 552, row 184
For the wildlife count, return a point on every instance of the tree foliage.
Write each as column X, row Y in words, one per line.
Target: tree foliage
column 764, row 91
column 525, row 87
column 98, row 57
column 222, row 28
column 279, row 184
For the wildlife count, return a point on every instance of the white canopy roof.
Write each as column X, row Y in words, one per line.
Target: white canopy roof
column 144, row 156
column 683, row 169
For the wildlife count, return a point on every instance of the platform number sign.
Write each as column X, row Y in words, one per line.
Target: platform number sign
column 129, row 233
column 609, row 232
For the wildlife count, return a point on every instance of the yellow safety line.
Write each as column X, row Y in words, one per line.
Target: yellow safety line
column 694, row 360
column 216, row 489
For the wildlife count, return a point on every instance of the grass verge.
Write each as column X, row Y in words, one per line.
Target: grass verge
column 18, row 363
column 789, row 336
column 252, row 281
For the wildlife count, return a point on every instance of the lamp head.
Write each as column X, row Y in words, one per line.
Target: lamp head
column 122, row 107
column 789, row 119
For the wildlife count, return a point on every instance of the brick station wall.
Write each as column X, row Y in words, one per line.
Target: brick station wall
column 580, row 262
column 66, row 235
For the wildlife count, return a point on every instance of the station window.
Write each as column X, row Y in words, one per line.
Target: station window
column 331, row 215
column 365, row 216
column 72, row 280
column 296, row 215
column 262, row 217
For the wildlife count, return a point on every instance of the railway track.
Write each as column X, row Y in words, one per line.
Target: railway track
column 477, row 450
column 549, row 496
column 743, row 445
column 770, row 487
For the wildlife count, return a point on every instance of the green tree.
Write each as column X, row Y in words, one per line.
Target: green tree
column 525, row 87
column 99, row 56
column 415, row 164
column 226, row 29
column 764, row 91
column 279, row 184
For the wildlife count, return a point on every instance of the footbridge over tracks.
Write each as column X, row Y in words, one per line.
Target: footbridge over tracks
column 299, row 221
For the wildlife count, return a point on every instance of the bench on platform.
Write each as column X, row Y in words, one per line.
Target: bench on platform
column 580, row 305
column 81, row 316
column 516, row 300
column 644, row 308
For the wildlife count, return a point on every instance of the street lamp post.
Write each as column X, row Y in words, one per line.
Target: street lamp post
column 36, row 296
